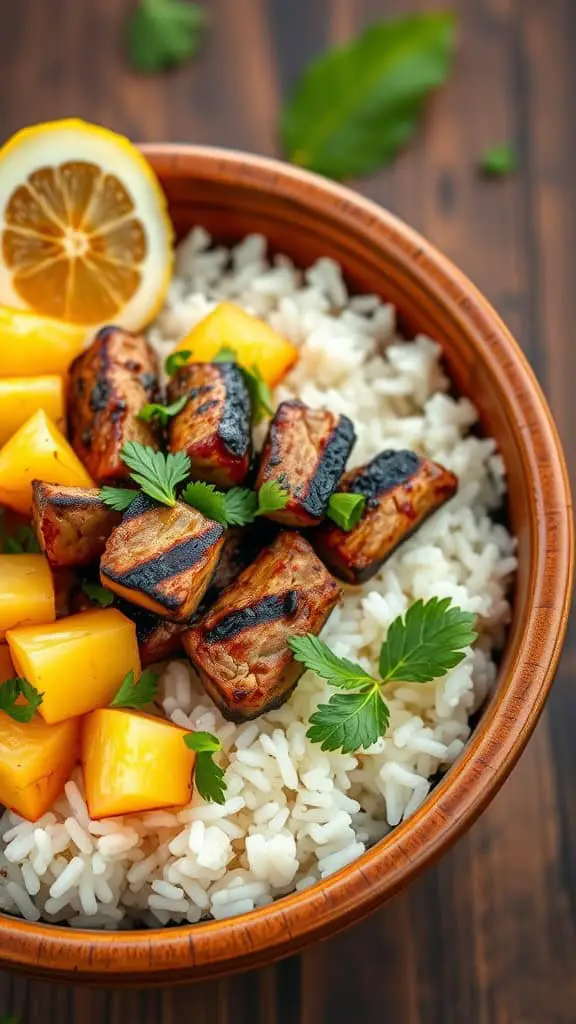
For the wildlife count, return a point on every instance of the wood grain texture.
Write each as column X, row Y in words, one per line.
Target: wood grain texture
column 489, row 935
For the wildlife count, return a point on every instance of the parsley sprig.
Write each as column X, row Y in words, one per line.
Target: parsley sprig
column 134, row 694
column 156, row 473
column 11, row 690
column 208, row 776
column 424, row 644
column 99, row 595
column 175, row 360
column 236, row 507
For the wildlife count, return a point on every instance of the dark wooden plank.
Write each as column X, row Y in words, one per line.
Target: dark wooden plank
column 489, row 935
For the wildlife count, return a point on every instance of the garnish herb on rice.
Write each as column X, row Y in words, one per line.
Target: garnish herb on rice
column 359, row 103
column 10, row 693
column 424, row 644
column 208, row 776
column 134, row 694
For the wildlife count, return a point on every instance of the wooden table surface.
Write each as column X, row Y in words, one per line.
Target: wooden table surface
column 488, row 936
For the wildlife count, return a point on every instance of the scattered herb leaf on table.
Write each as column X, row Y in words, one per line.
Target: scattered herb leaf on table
column 497, row 161
column 164, row 33
column 357, row 105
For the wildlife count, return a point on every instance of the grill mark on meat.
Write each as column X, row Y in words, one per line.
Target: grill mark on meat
column 268, row 609
column 384, row 473
column 234, row 426
column 179, row 558
column 330, row 467
column 149, row 382
column 67, row 500
column 206, row 405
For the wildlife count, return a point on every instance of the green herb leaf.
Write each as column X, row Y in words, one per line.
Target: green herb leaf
column 164, row 413
column 207, row 499
column 11, row 690
column 175, row 360
column 496, row 161
column 98, row 594
column 241, row 505
column 346, row 509
column 118, row 498
column 225, row 355
column 156, row 473
column 271, row 498
column 259, row 392
column 208, row 776
column 357, row 105
column 163, row 33
column 22, row 541
column 350, row 721
column 317, row 656
column 427, row 642
column 136, row 695
column 260, row 397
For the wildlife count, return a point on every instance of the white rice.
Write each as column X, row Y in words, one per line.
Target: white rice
column 293, row 813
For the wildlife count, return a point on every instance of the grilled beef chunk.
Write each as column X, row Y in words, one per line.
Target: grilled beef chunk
column 214, row 427
column 161, row 558
column 109, row 384
column 402, row 489
column 72, row 523
column 240, row 646
column 306, row 452
column 157, row 638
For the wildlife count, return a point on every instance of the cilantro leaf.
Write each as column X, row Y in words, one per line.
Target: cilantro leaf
column 163, row 413
column 346, row 509
column 163, row 33
column 11, row 690
column 98, row 594
column 240, row 505
column 497, row 161
column 350, row 721
column 118, row 498
column 156, row 473
column 207, row 499
column 271, row 498
column 175, row 360
column 317, row 657
column 359, row 103
column 136, row 695
column 427, row 642
column 208, row 776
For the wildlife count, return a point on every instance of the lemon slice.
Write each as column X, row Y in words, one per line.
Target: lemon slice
column 85, row 232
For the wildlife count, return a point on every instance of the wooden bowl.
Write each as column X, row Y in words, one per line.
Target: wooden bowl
column 232, row 194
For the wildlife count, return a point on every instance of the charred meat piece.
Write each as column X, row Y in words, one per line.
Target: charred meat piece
column 109, row 384
column 72, row 523
column 306, row 452
column 402, row 489
column 240, row 647
column 161, row 558
column 242, row 545
column 157, row 638
column 214, row 427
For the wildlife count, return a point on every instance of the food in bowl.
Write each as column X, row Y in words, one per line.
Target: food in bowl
column 364, row 524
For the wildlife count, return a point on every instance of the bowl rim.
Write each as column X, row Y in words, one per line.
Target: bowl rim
column 285, row 926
